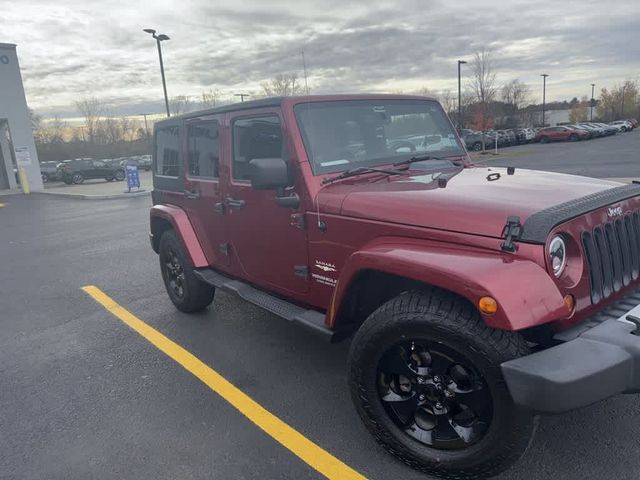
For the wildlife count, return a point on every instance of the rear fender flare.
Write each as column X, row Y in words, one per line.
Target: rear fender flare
column 181, row 224
column 525, row 293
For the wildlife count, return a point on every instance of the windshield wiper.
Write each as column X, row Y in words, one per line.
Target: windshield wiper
column 424, row 158
column 360, row 170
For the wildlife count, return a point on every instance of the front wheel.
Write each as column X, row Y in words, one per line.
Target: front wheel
column 544, row 140
column 188, row 293
column 77, row 178
column 425, row 378
column 119, row 176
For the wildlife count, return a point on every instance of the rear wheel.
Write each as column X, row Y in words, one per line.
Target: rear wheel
column 188, row 293
column 119, row 176
column 45, row 178
column 544, row 140
column 573, row 137
column 77, row 178
column 477, row 146
column 425, row 378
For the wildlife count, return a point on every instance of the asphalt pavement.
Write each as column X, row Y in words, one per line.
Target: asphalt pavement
column 82, row 396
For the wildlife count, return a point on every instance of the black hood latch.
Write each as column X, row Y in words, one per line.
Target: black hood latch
column 512, row 231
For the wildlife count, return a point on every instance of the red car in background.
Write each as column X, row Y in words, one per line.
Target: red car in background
column 562, row 134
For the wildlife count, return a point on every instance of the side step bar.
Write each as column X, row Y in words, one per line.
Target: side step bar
column 310, row 319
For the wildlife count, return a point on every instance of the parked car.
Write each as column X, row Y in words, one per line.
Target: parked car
column 633, row 122
column 622, row 125
column 563, row 133
column 49, row 172
column 608, row 129
column 81, row 169
column 475, row 298
column 589, row 132
column 473, row 140
column 142, row 162
column 594, row 129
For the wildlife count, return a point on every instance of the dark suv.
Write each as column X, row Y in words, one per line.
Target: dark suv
column 475, row 297
column 81, row 169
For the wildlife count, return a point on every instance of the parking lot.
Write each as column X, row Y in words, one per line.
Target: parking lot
column 83, row 395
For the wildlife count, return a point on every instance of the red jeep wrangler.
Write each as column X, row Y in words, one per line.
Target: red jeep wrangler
column 476, row 297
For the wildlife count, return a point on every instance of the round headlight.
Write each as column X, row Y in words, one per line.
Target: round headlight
column 557, row 255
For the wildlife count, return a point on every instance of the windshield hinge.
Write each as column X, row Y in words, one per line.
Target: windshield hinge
column 512, row 231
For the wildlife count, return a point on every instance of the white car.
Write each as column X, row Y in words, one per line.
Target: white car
column 622, row 125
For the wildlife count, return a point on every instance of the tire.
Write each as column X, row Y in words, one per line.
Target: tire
column 109, row 179
column 573, row 138
column 187, row 292
column 119, row 175
column 477, row 146
column 77, row 178
column 544, row 140
column 446, row 322
column 45, row 178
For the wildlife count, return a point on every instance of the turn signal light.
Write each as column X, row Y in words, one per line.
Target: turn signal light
column 569, row 302
column 488, row 305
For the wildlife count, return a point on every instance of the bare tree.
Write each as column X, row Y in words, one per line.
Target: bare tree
column 181, row 104
column 483, row 85
column 57, row 129
column 92, row 109
column 619, row 102
column 515, row 93
column 283, row 85
column 210, row 99
column 448, row 100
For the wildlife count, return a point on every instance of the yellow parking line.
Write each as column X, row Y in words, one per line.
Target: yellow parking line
column 310, row 453
column 1, row 205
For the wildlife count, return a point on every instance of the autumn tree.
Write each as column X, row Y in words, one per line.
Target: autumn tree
column 483, row 86
column 579, row 111
column 283, row 85
column 619, row 102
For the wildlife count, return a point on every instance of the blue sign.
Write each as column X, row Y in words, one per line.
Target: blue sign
column 133, row 178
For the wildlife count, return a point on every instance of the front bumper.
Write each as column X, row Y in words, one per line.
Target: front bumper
column 601, row 361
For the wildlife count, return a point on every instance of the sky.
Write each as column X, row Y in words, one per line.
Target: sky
column 71, row 49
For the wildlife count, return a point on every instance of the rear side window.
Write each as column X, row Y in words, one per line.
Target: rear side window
column 258, row 137
column 203, row 150
column 168, row 151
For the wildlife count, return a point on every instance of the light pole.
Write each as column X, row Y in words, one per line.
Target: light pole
column 593, row 86
column 242, row 95
column 544, row 92
column 622, row 109
column 160, row 38
column 460, row 62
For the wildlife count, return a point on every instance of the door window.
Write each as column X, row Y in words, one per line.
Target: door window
column 257, row 137
column 203, row 151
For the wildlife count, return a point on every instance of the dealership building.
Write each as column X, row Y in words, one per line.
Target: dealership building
column 17, row 148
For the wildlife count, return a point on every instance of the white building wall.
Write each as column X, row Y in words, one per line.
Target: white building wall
column 13, row 107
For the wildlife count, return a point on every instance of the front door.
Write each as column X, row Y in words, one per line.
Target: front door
column 268, row 244
column 202, row 189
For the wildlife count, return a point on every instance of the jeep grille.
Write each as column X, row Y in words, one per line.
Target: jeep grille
column 612, row 252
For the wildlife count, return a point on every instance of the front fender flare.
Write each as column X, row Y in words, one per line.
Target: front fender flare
column 525, row 293
column 181, row 224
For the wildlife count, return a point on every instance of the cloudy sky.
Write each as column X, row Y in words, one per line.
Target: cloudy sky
column 71, row 49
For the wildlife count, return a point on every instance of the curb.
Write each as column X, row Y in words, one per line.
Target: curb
column 113, row 196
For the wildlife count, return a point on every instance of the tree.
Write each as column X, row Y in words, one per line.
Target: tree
column 449, row 101
column 57, row 130
column 579, row 111
column 210, row 99
column 611, row 103
column 283, row 85
column 515, row 93
column 92, row 109
column 482, row 84
column 180, row 104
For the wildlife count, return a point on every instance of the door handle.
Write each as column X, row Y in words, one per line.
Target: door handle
column 234, row 203
column 192, row 194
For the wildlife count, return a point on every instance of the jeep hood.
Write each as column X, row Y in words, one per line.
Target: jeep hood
column 475, row 200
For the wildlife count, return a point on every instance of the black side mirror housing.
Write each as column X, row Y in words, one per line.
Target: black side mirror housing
column 268, row 173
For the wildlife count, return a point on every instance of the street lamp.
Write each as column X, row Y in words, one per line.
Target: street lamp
column 544, row 91
column 242, row 95
column 160, row 38
column 460, row 62
column 146, row 128
column 593, row 86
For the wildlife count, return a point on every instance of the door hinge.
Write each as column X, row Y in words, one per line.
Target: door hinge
column 512, row 231
column 224, row 248
column 301, row 271
column 298, row 221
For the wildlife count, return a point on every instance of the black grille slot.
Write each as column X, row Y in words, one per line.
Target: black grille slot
column 612, row 251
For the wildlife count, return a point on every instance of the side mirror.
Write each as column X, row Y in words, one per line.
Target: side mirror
column 268, row 173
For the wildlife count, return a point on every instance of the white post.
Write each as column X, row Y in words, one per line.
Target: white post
column 496, row 152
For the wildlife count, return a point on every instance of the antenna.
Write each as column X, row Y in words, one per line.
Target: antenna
column 304, row 68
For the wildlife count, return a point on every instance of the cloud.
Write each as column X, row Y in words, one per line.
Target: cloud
column 72, row 49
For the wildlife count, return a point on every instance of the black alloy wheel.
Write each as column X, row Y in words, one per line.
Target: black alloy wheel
column 434, row 395
column 174, row 273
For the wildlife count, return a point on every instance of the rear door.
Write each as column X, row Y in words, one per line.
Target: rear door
column 203, row 192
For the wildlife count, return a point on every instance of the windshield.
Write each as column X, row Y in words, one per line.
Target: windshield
column 342, row 135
